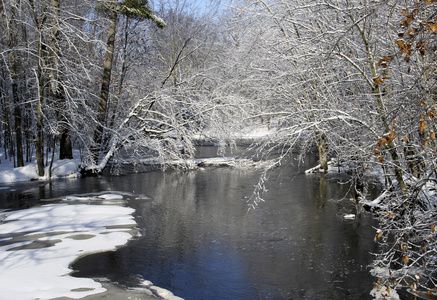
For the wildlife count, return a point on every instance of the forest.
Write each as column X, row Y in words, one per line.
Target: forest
column 353, row 79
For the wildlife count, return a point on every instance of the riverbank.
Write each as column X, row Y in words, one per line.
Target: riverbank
column 66, row 168
column 69, row 168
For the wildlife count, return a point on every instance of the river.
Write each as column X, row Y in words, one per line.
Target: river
column 200, row 241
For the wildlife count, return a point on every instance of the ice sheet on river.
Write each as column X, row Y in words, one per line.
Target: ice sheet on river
column 37, row 245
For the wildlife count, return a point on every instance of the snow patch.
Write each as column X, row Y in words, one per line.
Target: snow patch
column 60, row 168
column 349, row 217
column 39, row 244
column 111, row 196
column 384, row 293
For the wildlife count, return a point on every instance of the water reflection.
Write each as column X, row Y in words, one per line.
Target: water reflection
column 201, row 242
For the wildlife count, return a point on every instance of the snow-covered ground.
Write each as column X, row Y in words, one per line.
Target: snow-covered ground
column 60, row 168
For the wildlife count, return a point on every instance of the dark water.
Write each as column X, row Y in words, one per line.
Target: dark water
column 201, row 242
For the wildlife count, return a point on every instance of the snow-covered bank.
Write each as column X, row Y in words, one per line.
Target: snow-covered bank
column 61, row 168
column 70, row 168
column 335, row 166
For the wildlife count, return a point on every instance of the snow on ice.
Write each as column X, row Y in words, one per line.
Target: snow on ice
column 39, row 244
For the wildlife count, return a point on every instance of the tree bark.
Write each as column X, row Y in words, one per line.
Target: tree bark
column 39, row 143
column 18, row 128
column 8, row 136
column 65, row 147
column 382, row 112
column 17, row 113
column 106, row 80
column 18, row 134
column 321, row 147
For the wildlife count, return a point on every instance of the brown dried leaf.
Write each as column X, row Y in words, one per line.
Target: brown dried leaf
column 422, row 126
column 378, row 80
column 432, row 27
column 406, row 51
column 400, row 44
column 391, row 135
column 379, row 235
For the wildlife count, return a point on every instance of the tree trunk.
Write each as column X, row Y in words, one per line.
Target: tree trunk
column 123, row 71
column 323, row 156
column 382, row 112
column 18, row 132
column 8, row 136
column 39, row 143
column 65, row 147
column 17, row 113
column 104, row 92
column 18, row 128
